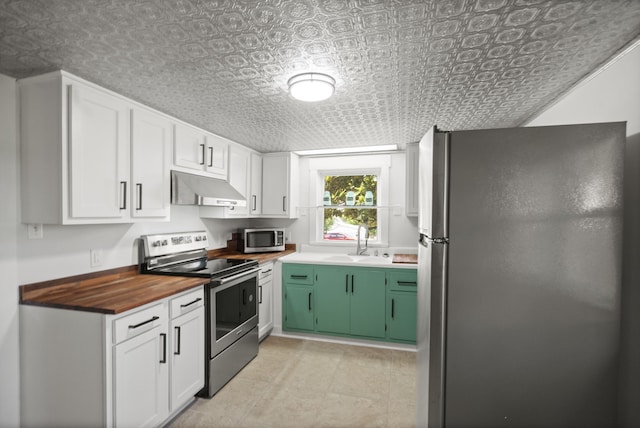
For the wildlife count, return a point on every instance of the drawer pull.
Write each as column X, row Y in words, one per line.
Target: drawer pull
column 144, row 322
column 177, row 351
column 191, row 303
column 299, row 276
column 410, row 283
column 164, row 348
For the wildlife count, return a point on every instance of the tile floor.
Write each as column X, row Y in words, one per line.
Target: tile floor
column 307, row 383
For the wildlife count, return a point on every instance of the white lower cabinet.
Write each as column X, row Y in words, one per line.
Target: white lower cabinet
column 136, row 369
column 187, row 349
column 265, row 300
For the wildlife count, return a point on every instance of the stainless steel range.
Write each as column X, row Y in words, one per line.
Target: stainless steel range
column 231, row 331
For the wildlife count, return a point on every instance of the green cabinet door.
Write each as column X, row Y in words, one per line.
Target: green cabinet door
column 298, row 307
column 368, row 302
column 402, row 312
column 332, row 299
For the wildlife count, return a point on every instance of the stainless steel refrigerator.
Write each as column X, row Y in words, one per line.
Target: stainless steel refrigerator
column 519, row 276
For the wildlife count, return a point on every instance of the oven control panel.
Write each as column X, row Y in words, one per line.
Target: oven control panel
column 171, row 243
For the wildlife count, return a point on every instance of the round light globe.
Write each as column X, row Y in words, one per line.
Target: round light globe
column 311, row 87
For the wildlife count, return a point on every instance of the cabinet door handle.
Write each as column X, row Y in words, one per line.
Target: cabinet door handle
column 259, row 294
column 203, row 154
column 139, row 189
column 123, row 190
column 177, row 351
column 164, row 348
column 152, row 319
column 309, row 301
column 393, row 308
column 284, row 204
column 351, row 284
column 210, row 156
column 254, row 202
column 191, row 303
column 346, row 284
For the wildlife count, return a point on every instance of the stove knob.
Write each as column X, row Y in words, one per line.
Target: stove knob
column 155, row 244
column 204, row 237
column 165, row 242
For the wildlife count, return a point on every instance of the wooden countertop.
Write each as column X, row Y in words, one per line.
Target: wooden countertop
column 118, row 290
column 108, row 292
column 260, row 257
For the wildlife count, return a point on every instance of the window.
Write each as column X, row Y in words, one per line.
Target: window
column 339, row 189
column 348, row 201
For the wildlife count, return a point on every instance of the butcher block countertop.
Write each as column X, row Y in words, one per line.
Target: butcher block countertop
column 228, row 253
column 118, row 290
column 109, row 292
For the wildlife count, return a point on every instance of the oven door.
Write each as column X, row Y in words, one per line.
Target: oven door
column 233, row 309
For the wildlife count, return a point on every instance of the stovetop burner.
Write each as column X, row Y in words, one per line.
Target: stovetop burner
column 185, row 254
column 213, row 268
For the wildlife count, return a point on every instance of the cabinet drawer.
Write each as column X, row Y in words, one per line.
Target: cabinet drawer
column 187, row 302
column 297, row 274
column 139, row 322
column 403, row 280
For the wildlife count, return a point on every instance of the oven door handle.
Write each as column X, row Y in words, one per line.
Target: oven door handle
column 247, row 273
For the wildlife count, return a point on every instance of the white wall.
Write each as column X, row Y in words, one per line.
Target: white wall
column 64, row 250
column 609, row 96
column 9, row 358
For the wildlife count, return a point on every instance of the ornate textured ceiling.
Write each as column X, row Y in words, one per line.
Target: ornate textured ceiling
column 400, row 66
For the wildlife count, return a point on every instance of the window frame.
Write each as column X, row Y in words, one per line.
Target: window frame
column 321, row 167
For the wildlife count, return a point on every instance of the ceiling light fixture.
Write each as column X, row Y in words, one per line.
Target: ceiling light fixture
column 345, row 150
column 311, row 86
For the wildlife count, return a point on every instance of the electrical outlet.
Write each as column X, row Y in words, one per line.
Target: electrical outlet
column 34, row 231
column 96, row 257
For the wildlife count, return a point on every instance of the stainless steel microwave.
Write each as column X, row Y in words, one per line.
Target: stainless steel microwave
column 262, row 240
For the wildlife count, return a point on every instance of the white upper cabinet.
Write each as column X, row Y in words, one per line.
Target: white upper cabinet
column 98, row 145
column 151, row 144
column 199, row 151
column 255, row 199
column 280, row 173
column 240, row 178
column 78, row 158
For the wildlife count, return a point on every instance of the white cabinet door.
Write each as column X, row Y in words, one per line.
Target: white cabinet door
column 279, row 185
column 265, row 300
column 189, row 149
column 217, row 156
column 98, row 154
column 255, row 196
column 197, row 150
column 141, row 373
column 150, row 158
column 187, row 357
column 239, row 178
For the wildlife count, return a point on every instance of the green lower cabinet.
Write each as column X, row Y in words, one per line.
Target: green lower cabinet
column 402, row 313
column 350, row 301
column 298, row 300
column 332, row 300
column 298, row 307
column 359, row 302
column 367, row 303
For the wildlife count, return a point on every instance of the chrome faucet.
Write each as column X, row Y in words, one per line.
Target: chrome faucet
column 359, row 250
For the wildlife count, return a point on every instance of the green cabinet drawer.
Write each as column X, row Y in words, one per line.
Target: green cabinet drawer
column 294, row 273
column 403, row 280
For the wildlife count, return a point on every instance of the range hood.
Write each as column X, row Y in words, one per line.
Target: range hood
column 191, row 189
